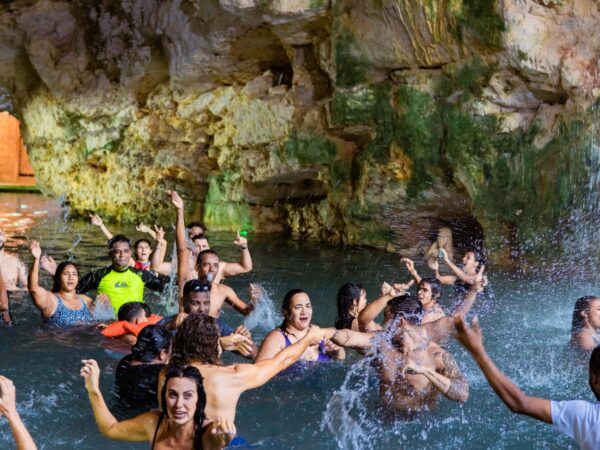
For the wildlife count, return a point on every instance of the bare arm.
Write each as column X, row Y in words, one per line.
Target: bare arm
column 513, row 397
column 96, row 220
column 183, row 269
column 22, row 274
column 410, row 266
column 3, row 294
column 245, row 264
column 368, row 315
column 135, row 429
column 8, row 409
column 457, row 388
column 444, row 279
column 158, row 255
column 250, row 376
column 42, row 298
column 238, row 304
column 349, row 338
column 142, row 228
column 470, row 279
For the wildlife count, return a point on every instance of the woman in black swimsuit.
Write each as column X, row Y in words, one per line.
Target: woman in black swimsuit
column 179, row 424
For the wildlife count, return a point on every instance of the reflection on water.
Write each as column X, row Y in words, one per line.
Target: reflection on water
column 526, row 329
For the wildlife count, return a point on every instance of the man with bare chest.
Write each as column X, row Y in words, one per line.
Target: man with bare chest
column 414, row 371
column 14, row 273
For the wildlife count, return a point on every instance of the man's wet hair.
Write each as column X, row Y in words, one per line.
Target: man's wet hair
column 195, row 286
column 407, row 307
column 595, row 361
column 436, row 287
column 196, row 224
column 129, row 311
column 118, row 238
column 200, row 236
column 205, row 252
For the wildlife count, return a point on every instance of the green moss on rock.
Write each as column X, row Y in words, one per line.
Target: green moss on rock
column 351, row 66
column 308, row 148
column 223, row 208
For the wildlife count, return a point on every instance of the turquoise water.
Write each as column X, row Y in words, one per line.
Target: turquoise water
column 525, row 324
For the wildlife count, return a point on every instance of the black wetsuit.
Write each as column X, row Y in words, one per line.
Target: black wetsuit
column 137, row 385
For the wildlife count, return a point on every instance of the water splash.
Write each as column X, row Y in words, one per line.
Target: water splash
column 103, row 311
column 264, row 316
column 170, row 295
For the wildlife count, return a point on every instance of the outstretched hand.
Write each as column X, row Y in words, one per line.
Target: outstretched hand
column 241, row 241
column 222, row 432
column 96, row 220
column 237, row 343
column 470, row 337
column 176, row 199
column 36, row 250
column 480, row 280
column 48, row 264
column 8, row 395
column 143, row 228
column 401, row 288
column 91, row 374
column 255, row 293
column 160, row 233
column 409, row 263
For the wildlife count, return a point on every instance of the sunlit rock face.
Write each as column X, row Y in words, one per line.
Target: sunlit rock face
column 365, row 122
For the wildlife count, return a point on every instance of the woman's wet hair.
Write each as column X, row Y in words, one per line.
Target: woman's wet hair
column 582, row 305
column 406, row 307
column 192, row 373
column 130, row 310
column 287, row 301
column 139, row 241
column 595, row 361
column 479, row 258
column 59, row 270
column 150, row 342
column 436, row 287
column 197, row 339
column 346, row 298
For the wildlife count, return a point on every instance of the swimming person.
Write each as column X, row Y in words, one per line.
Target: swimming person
column 8, row 409
column 136, row 375
column 120, row 282
column 62, row 306
column 413, row 370
column 297, row 313
column 179, row 424
column 443, row 242
column 351, row 299
column 142, row 247
column 197, row 344
column 13, row 269
column 225, row 269
column 585, row 323
column 578, row 419
column 132, row 318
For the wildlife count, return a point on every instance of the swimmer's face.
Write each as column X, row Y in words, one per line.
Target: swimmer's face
column 181, row 399
column 208, row 265
column 142, row 251
column 593, row 314
column 469, row 260
column 120, row 255
column 300, row 313
column 69, row 278
column 198, row 303
column 200, row 245
column 424, row 294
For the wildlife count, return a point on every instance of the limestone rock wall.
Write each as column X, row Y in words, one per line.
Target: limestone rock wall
column 364, row 121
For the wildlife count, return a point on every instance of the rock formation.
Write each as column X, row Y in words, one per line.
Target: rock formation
column 361, row 122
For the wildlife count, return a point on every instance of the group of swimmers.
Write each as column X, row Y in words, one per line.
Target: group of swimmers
column 187, row 397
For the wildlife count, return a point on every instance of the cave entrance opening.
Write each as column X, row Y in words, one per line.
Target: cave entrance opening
column 467, row 233
column 15, row 170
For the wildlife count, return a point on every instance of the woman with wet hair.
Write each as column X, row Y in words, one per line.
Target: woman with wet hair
column 136, row 377
column 351, row 300
column 62, row 306
column 585, row 323
column 180, row 422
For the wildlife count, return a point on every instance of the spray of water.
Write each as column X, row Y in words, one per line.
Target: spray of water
column 264, row 316
column 103, row 311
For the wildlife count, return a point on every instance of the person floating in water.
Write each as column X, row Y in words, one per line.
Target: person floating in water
column 14, row 270
column 578, row 419
column 443, row 242
column 62, row 306
column 586, row 323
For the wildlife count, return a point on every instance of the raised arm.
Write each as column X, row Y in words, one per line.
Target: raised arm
column 183, row 269
column 470, row 279
column 245, row 264
column 349, row 338
column 440, row 329
column 42, row 298
column 238, row 304
column 135, row 429
column 444, row 279
column 514, row 398
column 410, row 266
column 368, row 315
column 8, row 409
column 97, row 221
column 143, row 228
column 250, row 376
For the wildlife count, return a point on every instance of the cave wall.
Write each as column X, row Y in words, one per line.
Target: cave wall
column 361, row 122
